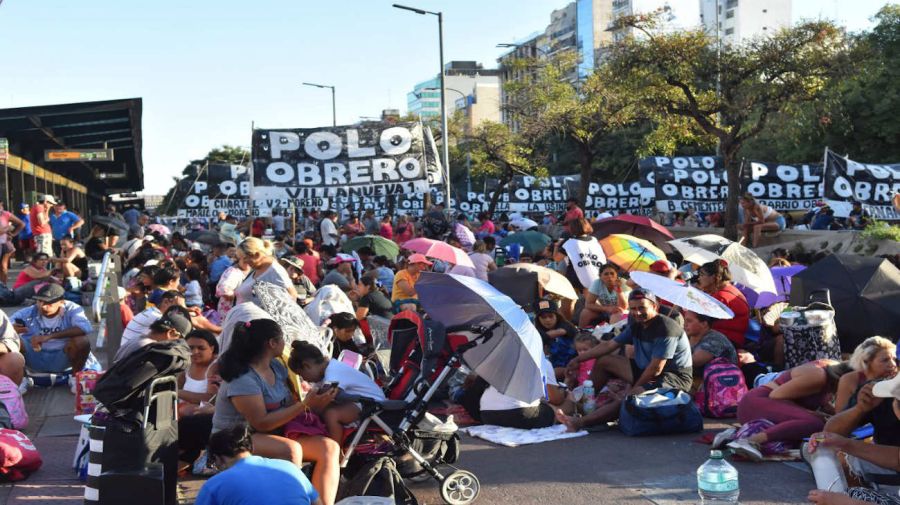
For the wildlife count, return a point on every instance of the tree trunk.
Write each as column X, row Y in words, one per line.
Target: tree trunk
column 586, row 160
column 732, row 168
column 495, row 198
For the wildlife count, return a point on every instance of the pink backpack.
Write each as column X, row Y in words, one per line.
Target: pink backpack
column 12, row 399
column 723, row 387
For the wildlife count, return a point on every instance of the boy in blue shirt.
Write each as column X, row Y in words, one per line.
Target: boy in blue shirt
column 245, row 479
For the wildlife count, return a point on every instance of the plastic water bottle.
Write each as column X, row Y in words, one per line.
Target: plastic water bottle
column 717, row 480
column 590, row 404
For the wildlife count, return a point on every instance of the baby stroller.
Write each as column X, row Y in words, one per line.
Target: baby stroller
column 423, row 355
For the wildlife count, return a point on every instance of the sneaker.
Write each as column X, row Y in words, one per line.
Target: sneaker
column 25, row 385
column 723, row 437
column 746, row 448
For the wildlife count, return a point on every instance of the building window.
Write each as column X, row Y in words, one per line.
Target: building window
column 729, row 14
column 764, row 28
column 729, row 31
column 765, row 11
column 731, row 3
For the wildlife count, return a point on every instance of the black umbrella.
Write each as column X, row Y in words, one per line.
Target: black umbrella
column 865, row 293
column 111, row 222
column 207, row 237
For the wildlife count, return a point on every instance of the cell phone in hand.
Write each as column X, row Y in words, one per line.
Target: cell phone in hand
column 19, row 321
column 328, row 386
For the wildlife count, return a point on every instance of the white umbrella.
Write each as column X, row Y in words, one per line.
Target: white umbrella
column 510, row 360
column 682, row 295
column 523, row 223
column 746, row 267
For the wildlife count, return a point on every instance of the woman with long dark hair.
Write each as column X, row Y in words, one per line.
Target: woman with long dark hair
column 255, row 392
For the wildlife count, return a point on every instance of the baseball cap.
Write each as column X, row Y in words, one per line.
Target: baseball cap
column 888, row 388
column 419, row 258
column 172, row 320
column 544, row 307
column 50, row 293
column 661, row 266
column 50, row 199
column 341, row 258
column 23, row 205
column 642, row 294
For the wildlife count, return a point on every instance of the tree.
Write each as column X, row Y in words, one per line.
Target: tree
column 550, row 105
column 498, row 152
column 855, row 115
column 694, row 95
column 227, row 154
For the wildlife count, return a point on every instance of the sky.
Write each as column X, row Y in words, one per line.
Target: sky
column 208, row 70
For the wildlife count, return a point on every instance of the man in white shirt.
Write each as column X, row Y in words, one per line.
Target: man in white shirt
column 278, row 222
column 328, row 229
column 140, row 323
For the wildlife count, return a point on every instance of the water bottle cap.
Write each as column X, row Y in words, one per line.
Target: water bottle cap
column 715, row 454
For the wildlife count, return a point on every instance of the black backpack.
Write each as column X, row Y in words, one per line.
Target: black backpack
column 378, row 477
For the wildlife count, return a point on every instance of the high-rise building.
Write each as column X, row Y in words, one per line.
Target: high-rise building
column 736, row 21
column 674, row 14
column 462, row 80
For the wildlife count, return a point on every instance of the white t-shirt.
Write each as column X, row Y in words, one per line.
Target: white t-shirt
column 481, row 262
column 278, row 222
column 140, row 325
column 352, row 381
column 329, row 232
column 495, row 400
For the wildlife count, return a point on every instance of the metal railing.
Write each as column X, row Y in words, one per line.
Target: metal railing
column 105, row 305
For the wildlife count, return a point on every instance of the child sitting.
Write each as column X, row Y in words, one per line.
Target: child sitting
column 557, row 335
column 584, row 342
column 308, row 362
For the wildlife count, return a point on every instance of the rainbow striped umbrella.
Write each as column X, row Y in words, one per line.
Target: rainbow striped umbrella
column 630, row 253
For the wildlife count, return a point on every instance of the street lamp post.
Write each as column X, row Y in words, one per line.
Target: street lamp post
column 333, row 107
column 446, row 134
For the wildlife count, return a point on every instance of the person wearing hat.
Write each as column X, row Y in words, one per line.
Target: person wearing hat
column 557, row 333
column 405, row 280
column 40, row 224
column 662, row 358
column 174, row 324
column 866, row 462
column 54, row 332
column 305, row 288
column 10, row 226
column 340, row 273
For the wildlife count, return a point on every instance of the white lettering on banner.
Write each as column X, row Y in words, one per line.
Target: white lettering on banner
column 586, row 257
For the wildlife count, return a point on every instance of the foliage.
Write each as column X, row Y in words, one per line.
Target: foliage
column 879, row 230
column 856, row 115
column 674, row 80
column 550, row 105
column 495, row 151
column 227, row 154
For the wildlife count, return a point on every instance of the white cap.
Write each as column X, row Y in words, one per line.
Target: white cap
column 888, row 388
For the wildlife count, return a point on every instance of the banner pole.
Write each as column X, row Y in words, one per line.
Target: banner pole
column 250, row 209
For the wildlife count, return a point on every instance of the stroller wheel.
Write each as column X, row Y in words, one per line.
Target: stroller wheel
column 460, row 488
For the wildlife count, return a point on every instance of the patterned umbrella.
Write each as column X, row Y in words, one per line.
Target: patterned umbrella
column 630, row 253
column 746, row 267
column 531, row 241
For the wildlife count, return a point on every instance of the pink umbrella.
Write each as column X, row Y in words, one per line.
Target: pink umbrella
column 439, row 250
column 160, row 228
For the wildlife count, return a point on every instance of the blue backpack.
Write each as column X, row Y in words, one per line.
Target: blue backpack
column 659, row 412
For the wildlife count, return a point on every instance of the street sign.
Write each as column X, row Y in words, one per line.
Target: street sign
column 4, row 149
column 78, row 155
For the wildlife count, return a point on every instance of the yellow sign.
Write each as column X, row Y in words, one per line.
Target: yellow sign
column 78, row 155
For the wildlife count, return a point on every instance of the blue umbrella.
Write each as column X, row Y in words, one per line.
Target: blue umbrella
column 510, row 360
